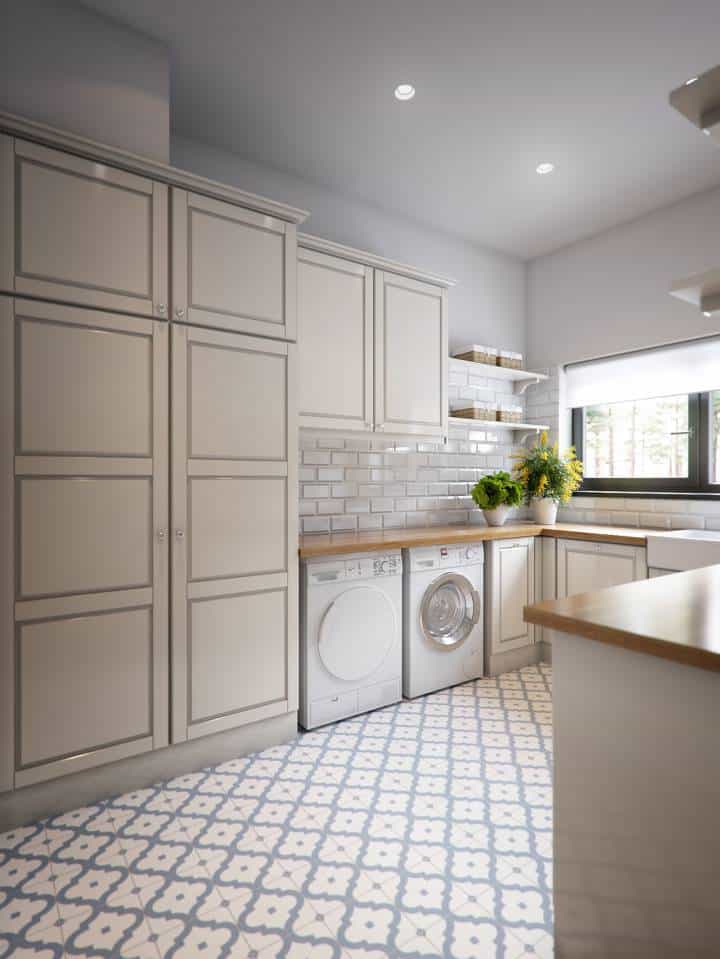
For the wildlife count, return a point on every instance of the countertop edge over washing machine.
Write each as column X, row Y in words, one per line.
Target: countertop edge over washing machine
column 350, row 636
column 442, row 617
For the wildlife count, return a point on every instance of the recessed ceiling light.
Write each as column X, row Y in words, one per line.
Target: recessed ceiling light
column 707, row 313
column 689, row 83
column 706, row 132
column 404, row 91
column 544, row 168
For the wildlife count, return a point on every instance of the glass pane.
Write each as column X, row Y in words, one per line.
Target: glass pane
column 715, row 437
column 644, row 439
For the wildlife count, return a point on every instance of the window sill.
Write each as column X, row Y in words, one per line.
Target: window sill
column 620, row 494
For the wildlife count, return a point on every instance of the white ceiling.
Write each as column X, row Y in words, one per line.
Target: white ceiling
column 306, row 86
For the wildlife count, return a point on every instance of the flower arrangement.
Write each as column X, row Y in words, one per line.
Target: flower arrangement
column 546, row 474
column 495, row 494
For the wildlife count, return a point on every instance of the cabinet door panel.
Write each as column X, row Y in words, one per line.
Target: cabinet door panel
column 90, row 616
column 87, row 233
column 237, row 653
column 585, row 566
column 84, row 390
column 410, row 356
column 512, row 581
column 238, row 407
column 84, row 683
column 335, row 342
column 235, row 572
column 232, row 268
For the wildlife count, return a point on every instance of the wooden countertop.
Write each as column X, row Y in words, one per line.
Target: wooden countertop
column 675, row 617
column 333, row 544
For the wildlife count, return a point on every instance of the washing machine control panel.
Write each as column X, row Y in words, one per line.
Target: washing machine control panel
column 365, row 567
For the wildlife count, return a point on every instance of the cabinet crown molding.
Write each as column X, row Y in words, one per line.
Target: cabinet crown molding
column 91, row 149
column 309, row 242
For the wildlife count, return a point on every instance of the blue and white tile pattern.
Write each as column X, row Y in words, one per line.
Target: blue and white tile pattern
column 421, row 830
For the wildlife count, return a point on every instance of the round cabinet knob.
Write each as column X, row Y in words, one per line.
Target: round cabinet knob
column 161, row 534
column 180, row 533
column 179, row 312
column 161, row 307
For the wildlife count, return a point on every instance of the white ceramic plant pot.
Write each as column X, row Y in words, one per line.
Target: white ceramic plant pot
column 497, row 516
column 544, row 510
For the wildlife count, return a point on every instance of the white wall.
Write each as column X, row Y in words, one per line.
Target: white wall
column 67, row 66
column 488, row 303
column 610, row 293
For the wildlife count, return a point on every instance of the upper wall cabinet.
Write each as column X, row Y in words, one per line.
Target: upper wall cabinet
column 81, row 232
column 411, row 350
column 335, row 342
column 233, row 269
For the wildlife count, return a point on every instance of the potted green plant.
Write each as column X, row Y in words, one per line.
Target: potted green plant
column 549, row 478
column 495, row 494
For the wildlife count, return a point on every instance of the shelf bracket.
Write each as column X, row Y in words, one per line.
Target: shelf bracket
column 522, row 385
column 528, row 433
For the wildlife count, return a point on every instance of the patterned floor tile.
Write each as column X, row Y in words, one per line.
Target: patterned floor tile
column 421, row 831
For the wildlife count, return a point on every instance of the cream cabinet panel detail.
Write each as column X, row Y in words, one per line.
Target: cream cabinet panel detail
column 584, row 566
column 335, row 342
column 89, row 563
column 84, row 683
column 234, row 532
column 81, row 534
column 238, row 402
column 512, row 582
column 411, row 349
column 237, row 653
column 85, row 233
column 233, row 269
column 84, row 390
column 237, row 525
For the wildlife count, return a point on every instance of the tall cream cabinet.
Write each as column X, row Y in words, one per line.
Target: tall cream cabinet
column 234, row 529
column 373, row 343
column 85, row 458
column 148, row 455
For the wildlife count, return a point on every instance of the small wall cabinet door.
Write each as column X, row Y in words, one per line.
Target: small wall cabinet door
column 584, row 566
column 411, row 356
column 87, row 651
column 335, row 342
column 233, row 269
column 511, row 576
column 234, row 531
column 81, row 232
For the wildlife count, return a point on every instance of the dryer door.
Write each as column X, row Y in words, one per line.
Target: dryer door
column 449, row 611
column 357, row 632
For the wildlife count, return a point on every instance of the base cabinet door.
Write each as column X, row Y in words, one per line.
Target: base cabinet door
column 234, row 531
column 233, row 269
column 511, row 581
column 76, row 231
column 584, row 566
column 86, row 654
column 335, row 342
column 411, row 350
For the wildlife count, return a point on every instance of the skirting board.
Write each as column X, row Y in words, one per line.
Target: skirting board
column 24, row 806
column 514, row 659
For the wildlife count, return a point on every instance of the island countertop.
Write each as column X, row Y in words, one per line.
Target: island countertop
column 333, row 544
column 674, row 617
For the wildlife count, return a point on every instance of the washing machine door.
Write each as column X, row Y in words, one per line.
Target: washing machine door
column 449, row 611
column 357, row 632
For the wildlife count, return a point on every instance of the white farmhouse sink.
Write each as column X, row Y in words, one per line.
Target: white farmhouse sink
column 683, row 549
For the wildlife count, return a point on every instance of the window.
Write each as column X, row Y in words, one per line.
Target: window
column 639, row 428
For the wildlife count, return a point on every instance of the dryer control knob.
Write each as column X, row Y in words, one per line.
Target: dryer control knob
column 471, row 552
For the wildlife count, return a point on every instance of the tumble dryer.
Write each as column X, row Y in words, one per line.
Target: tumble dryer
column 442, row 617
column 350, row 636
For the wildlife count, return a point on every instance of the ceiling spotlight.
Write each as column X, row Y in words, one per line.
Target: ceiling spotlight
column 689, row 83
column 544, row 168
column 404, row 91
column 706, row 132
column 707, row 313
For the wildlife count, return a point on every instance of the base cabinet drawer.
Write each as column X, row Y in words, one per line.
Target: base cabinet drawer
column 333, row 708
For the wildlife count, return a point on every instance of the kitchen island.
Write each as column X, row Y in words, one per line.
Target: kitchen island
column 636, row 730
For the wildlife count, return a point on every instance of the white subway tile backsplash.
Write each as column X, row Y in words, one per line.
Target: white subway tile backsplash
column 316, row 458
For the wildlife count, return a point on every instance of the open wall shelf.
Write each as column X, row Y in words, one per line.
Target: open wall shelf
column 521, row 378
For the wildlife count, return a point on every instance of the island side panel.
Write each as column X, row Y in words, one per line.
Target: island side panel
column 636, row 801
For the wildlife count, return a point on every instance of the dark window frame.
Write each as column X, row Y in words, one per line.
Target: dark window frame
column 699, row 457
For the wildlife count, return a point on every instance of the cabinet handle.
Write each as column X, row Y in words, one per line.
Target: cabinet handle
column 180, row 533
column 161, row 535
column 179, row 312
column 161, row 308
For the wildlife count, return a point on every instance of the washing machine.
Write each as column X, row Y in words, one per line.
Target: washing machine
column 350, row 636
column 442, row 617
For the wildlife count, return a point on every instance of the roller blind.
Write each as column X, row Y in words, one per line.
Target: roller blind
column 692, row 367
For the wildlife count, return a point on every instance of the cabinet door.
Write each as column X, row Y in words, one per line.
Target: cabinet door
column 90, row 565
column 81, row 232
column 233, row 269
column 335, row 342
column 234, row 519
column 512, row 581
column 584, row 566
column 411, row 356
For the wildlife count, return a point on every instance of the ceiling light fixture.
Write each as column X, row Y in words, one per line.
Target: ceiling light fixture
column 707, row 313
column 544, row 168
column 689, row 83
column 404, row 91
